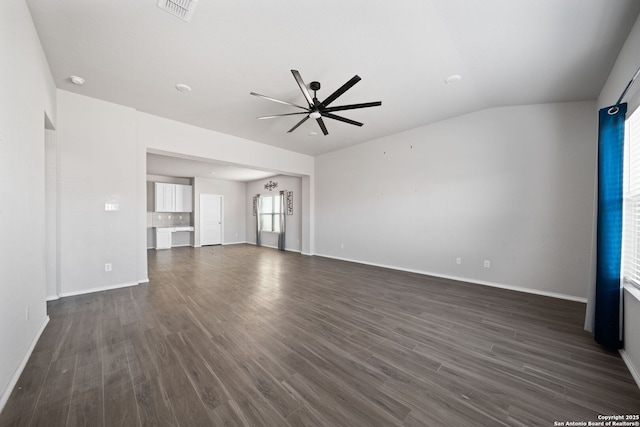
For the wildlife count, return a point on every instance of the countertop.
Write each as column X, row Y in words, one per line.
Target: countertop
column 176, row 228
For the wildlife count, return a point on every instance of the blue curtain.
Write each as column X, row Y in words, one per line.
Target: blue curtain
column 609, row 248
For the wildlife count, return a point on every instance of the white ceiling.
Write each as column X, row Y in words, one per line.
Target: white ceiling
column 188, row 168
column 508, row 52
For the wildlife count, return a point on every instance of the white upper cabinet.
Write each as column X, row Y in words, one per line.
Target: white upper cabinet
column 173, row 197
column 161, row 199
column 187, row 198
column 179, row 196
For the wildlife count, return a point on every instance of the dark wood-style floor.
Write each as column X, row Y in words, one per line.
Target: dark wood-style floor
column 239, row 335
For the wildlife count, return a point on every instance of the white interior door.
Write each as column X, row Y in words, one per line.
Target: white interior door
column 210, row 219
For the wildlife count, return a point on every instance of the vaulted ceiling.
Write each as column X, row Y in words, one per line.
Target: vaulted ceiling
column 508, row 53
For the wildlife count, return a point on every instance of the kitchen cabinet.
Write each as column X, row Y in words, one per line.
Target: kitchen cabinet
column 163, row 238
column 183, row 199
column 165, row 197
column 173, row 197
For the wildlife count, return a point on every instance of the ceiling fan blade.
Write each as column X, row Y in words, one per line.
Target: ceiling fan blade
column 322, row 126
column 299, row 123
column 353, row 106
column 281, row 115
column 342, row 119
column 342, row 89
column 303, row 87
column 277, row 100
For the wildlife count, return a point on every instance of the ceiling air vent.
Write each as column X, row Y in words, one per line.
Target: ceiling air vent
column 182, row 9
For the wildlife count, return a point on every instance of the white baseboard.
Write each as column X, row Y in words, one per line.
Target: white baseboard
column 100, row 289
column 288, row 250
column 224, row 244
column 23, row 363
column 275, row 247
column 467, row 280
column 634, row 372
column 92, row 290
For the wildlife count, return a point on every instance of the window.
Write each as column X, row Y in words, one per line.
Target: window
column 269, row 213
column 631, row 194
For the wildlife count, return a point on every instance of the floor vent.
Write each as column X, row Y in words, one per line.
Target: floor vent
column 182, row 9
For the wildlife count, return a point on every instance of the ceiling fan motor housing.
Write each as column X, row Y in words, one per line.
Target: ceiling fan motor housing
column 314, row 86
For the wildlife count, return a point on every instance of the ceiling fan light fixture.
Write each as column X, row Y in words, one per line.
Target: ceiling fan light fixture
column 315, row 114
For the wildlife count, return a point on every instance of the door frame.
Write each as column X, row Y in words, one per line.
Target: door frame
column 221, row 218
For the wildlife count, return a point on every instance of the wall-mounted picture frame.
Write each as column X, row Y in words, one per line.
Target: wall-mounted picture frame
column 289, row 202
column 270, row 185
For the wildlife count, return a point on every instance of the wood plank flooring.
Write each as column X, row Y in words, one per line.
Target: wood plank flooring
column 246, row 336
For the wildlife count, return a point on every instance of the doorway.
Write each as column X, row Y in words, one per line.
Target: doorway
column 210, row 219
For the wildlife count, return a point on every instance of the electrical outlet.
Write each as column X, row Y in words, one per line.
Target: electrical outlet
column 179, row 216
column 458, row 260
column 27, row 312
column 107, row 267
column 487, row 263
column 341, row 245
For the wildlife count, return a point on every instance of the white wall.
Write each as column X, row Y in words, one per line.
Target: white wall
column 27, row 93
column 51, row 213
column 293, row 235
column 234, row 208
column 98, row 164
column 512, row 185
column 308, row 209
column 625, row 66
column 167, row 136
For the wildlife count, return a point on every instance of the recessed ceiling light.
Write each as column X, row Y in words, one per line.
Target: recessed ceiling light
column 454, row 78
column 183, row 87
column 313, row 133
column 77, row 80
column 212, row 173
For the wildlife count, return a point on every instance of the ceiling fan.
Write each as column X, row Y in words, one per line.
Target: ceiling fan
column 316, row 109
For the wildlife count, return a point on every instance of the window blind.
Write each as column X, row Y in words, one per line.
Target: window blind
column 631, row 203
